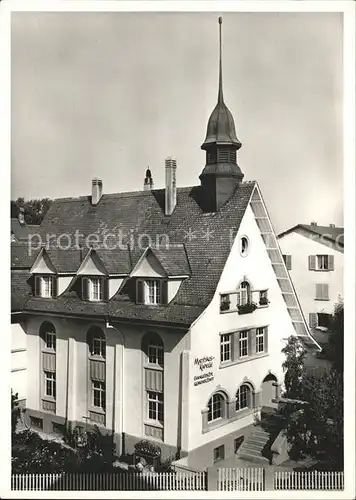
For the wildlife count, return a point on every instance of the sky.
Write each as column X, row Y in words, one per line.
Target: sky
column 108, row 94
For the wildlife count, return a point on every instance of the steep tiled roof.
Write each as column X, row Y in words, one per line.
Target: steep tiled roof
column 138, row 219
column 173, row 259
column 116, row 261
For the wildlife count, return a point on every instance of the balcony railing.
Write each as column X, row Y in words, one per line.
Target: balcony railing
column 229, row 302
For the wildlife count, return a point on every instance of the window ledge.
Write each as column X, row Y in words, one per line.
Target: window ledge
column 154, row 423
column 47, row 350
column 226, row 364
column 153, row 367
column 215, row 424
column 96, row 409
column 96, row 357
column 324, row 300
column 50, row 399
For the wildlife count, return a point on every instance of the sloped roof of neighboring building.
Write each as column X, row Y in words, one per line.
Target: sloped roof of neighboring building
column 20, row 231
column 22, row 256
column 128, row 216
column 20, row 289
column 330, row 233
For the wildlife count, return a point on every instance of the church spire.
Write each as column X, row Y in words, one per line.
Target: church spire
column 221, row 173
column 220, row 95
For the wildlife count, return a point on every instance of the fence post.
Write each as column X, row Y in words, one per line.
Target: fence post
column 269, row 479
column 212, row 475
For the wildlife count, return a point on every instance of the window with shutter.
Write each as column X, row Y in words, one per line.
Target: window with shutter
column 312, row 262
column 322, row 291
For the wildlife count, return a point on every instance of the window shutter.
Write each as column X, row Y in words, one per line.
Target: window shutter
column 265, row 339
column 37, row 286
column 325, row 291
column 251, row 342
column 105, row 284
column 312, row 262
column 85, row 288
column 313, row 320
column 139, row 292
column 331, row 263
column 164, row 292
column 237, row 299
column 54, row 286
column 289, row 262
column 318, row 291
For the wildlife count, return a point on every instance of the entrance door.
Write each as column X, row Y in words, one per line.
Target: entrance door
column 269, row 391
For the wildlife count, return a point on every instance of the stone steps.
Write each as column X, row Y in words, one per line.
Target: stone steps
column 251, row 449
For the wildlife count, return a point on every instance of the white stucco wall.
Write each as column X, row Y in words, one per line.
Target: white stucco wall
column 125, row 389
column 304, row 280
column 205, row 339
column 63, row 283
column 18, row 360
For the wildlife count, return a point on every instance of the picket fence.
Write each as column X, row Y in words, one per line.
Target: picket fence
column 233, row 479
column 249, row 479
column 260, row 479
column 309, row 480
column 117, row 481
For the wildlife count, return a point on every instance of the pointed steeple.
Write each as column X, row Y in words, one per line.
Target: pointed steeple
column 220, row 94
column 221, row 172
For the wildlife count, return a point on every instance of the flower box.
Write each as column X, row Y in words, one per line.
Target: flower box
column 247, row 308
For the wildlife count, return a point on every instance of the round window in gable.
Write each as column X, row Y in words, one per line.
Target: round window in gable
column 244, row 246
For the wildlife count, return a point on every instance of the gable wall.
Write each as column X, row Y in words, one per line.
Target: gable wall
column 205, row 339
column 300, row 247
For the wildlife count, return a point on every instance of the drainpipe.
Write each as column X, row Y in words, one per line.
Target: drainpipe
column 109, row 325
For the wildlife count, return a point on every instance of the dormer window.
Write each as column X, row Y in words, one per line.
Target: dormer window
column 45, row 286
column 93, row 289
column 152, row 291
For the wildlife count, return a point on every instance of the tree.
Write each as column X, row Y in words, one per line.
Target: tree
column 334, row 350
column 316, row 429
column 35, row 209
column 15, row 413
column 294, row 367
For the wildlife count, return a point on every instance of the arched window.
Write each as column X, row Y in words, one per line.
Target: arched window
column 48, row 334
column 96, row 342
column 216, row 407
column 243, row 397
column 152, row 346
column 243, row 293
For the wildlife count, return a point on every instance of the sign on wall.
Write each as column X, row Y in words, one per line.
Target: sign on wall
column 204, row 366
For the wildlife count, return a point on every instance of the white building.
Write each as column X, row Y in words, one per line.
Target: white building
column 170, row 327
column 314, row 256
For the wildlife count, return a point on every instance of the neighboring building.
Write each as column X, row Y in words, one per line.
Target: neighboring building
column 20, row 231
column 174, row 334
column 314, row 256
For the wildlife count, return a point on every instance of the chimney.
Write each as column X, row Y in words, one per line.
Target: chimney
column 148, row 182
column 331, row 225
column 96, row 190
column 21, row 216
column 313, row 223
column 171, row 186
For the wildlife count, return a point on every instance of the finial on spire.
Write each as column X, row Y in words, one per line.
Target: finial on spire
column 220, row 96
